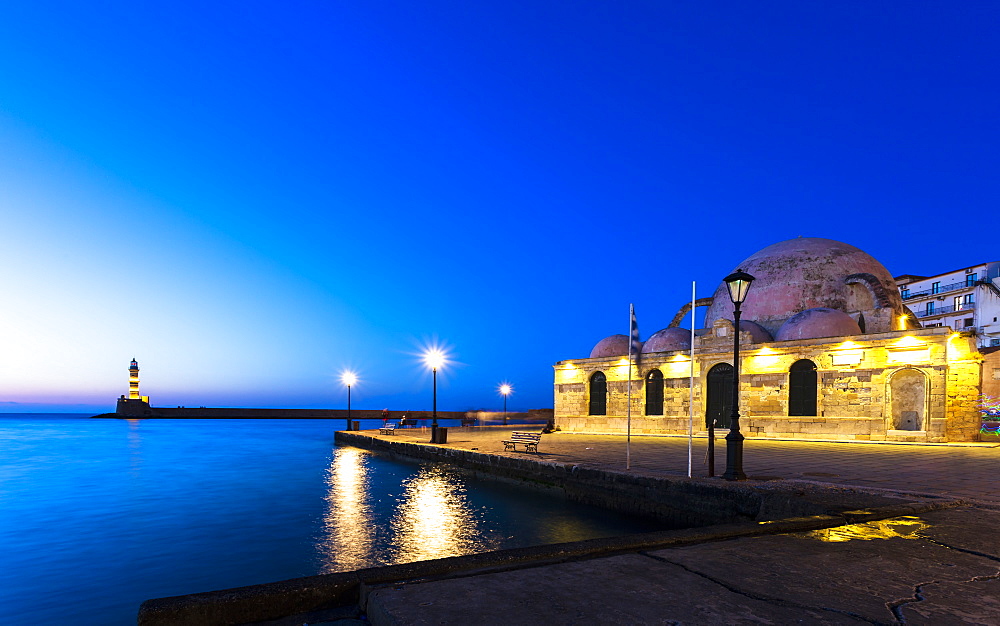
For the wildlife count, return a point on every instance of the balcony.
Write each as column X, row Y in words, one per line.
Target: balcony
column 941, row 290
column 941, row 310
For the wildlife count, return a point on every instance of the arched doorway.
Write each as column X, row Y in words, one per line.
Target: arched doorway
column 719, row 404
column 908, row 393
column 654, row 392
column 802, row 388
column 598, row 394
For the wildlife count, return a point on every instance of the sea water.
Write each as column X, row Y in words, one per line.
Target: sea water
column 97, row 515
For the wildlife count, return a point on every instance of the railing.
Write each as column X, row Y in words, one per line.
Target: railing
column 940, row 290
column 965, row 306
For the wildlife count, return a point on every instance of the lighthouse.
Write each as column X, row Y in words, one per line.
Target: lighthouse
column 134, row 405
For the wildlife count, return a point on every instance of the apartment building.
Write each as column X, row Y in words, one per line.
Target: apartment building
column 966, row 300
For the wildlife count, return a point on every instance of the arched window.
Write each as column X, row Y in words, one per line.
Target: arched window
column 802, row 388
column 598, row 394
column 719, row 405
column 654, row 392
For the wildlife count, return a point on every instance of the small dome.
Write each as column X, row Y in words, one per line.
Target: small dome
column 668, row 340
column 816, row 323
column 615, row 345
column 757, row 332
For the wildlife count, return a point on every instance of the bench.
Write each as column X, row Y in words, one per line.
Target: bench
column 387, row 429
column 528, row 440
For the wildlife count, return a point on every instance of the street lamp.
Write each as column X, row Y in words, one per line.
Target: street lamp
column 739, row 284
column 348, row 378
column 505, row 390
column 434, row 358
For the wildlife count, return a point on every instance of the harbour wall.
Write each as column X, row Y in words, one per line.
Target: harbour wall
column 182, row 412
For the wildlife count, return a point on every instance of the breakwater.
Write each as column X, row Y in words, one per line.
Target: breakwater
column 244, row 413
column 184, row 412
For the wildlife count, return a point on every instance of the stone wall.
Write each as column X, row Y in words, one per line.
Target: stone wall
column 934, row 372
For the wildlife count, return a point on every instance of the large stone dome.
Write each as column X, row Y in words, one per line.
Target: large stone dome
column 807, row 273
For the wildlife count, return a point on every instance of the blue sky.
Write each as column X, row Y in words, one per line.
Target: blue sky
column 251, row 197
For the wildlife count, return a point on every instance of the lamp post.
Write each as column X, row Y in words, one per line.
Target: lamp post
column 348, row 378
column 434, row 358
column 739, row 284
column 505, row 390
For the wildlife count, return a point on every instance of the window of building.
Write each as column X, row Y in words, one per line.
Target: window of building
column 906, row 294
column 654, row 392
column 968, row 322
column 598, row 394
column 970, row 279
column 802, row 388
column 930, row 308
column 995, row 342
column 936, row 287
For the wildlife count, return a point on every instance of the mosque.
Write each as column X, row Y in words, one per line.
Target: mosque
column 828, row 350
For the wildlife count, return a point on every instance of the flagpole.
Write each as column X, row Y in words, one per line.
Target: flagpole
column 628, row 428
column 691, row 388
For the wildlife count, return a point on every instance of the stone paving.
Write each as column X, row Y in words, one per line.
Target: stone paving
column 965, row 471
column 942, row 567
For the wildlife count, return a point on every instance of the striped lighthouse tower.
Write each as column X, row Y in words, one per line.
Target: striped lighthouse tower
column 133, row 381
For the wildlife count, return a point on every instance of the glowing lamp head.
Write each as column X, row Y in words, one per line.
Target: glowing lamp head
column 506, row 389
column 348, row 378
column 738, row 284
column 434, row 358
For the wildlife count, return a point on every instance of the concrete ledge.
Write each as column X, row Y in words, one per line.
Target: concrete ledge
column 253, row 603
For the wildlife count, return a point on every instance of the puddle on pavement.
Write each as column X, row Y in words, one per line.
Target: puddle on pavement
column 907, row 527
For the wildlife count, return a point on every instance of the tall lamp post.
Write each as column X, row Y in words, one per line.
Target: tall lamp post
column 348, row 378
column 505, row 390
column 739, row 284
column 434, row 358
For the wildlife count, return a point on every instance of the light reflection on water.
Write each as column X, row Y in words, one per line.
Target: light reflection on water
column 426, row 515
column 347, row 522
column 434, row 519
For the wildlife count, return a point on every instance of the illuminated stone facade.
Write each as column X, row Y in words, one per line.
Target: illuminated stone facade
column 908, row 384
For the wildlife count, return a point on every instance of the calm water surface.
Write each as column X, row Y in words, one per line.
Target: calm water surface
column 97, row 515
